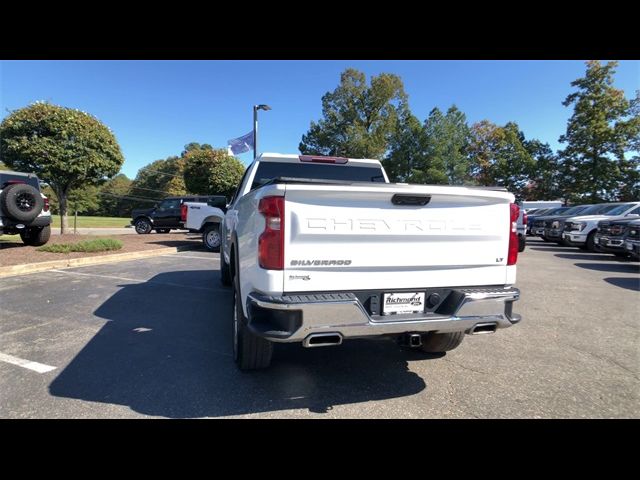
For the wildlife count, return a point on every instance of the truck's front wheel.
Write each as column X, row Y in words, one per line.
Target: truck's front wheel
column 441, row 342
column 250, row 352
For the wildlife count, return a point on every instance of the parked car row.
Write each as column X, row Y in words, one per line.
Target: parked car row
column 606, row 227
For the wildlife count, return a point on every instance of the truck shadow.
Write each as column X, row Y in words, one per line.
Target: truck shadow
column 625, row 282
column 611, row 267
column 600, row 256
column 166, row 351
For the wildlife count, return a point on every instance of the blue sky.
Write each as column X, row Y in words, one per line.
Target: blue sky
column 156, row 107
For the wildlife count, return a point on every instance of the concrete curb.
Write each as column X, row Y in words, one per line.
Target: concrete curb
column 13, row 270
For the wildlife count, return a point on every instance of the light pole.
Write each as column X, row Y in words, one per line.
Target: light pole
column 255, row 126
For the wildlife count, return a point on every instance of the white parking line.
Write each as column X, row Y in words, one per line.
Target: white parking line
column 177, row 255
column 35, row 366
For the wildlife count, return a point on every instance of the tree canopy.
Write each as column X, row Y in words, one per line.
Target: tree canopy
column 359, row 120
column 604, row 127
column 211, row 171
column 66, row 148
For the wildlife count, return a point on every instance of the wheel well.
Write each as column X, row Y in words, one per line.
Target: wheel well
column 140, row 217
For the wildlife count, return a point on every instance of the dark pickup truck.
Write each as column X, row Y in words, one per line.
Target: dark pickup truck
column 632, row 239
column 165, row 216
column 610, row 236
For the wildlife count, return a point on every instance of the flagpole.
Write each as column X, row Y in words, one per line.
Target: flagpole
column 255, row 126
column 255, row 131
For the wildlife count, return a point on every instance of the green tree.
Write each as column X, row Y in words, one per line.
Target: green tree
column 604, row 127
column 66, row 148
column 212, row 172
column 546, row 177
column 499, row 157
column 406, row 155
column 359, row 120
column 83, row 199
column 447, row 138
column 159, row 179
column 114, row 197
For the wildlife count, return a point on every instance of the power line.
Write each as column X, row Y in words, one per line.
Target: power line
column 127, row 197
column 161, row 173
column 150, row 189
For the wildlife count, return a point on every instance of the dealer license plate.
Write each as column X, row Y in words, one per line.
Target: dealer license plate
column 394, row 303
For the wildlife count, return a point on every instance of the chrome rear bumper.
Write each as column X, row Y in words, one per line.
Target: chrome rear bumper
column 294, row 318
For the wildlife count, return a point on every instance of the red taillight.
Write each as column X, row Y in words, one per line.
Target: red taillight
column 314, row 159
column 512, row 256
column 271, row 241
column 46, row 204
column 525, row 218
column 183, row 212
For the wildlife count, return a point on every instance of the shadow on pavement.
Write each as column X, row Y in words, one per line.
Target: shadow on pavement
column 166, row 351
column 593, row 256
column 556, row 249
column 625, row 282
column 178, row 243
column 4, row 245
column 611, row 267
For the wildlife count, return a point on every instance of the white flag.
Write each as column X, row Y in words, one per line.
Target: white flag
column 241, row 144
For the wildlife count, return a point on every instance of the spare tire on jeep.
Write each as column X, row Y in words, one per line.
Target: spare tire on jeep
column 21, row 202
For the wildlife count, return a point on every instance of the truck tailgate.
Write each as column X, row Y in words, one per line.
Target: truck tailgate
column 348, row 237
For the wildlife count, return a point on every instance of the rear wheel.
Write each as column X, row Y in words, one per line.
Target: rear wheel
column 36, row 237
column 225, row 272
column 211, row 237
column 441, row 342
column 522, row 242
column 250, row 352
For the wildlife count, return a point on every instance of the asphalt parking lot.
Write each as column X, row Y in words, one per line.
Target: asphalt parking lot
column 152, row 338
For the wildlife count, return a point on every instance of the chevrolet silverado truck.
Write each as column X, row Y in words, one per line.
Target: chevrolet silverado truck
column 581, row 231
column 319, row 250
column 24, row 210
column 205, row 218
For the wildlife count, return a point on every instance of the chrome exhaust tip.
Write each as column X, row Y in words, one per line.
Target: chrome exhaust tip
column 483, row 328
column 322, row 340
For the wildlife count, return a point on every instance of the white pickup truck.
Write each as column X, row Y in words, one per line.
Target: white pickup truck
column 322, row 249
column 205, row 218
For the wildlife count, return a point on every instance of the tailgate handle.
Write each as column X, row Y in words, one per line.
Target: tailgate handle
column 404, row 199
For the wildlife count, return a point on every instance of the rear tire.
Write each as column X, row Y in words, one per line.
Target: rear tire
column 521, row 243
column 225, row 272
column 441, row 342
column 250, row 352
column 36, row 237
